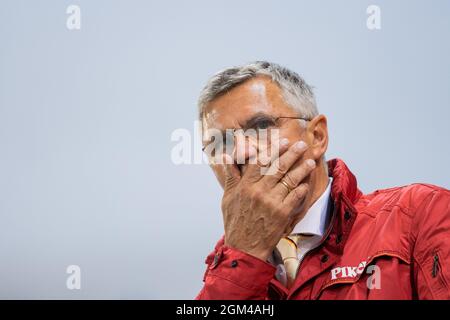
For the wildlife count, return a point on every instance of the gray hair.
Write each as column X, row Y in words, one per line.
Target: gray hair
column 296, row 92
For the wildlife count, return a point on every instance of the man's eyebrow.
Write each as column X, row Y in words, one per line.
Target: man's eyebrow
column 256, row 118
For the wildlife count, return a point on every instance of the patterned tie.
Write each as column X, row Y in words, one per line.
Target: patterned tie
column 287, row 247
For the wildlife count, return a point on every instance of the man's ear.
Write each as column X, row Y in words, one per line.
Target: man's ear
column 318, row 136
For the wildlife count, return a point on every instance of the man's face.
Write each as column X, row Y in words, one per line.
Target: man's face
column 255, row 103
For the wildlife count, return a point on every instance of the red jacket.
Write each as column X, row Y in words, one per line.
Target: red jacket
column 390, row 244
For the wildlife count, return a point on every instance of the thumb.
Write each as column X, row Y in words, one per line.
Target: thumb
column 232, row 173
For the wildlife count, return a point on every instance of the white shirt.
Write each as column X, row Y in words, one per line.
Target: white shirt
column 313, row 223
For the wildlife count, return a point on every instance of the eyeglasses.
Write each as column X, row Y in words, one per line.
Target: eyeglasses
column 258, row 128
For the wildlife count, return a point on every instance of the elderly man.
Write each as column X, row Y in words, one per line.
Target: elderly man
column 305, row 230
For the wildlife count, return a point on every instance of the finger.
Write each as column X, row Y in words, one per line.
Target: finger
column 281, row 166
column 231, row 172
column 295, row 199
column 257, row 166
column 294, row 177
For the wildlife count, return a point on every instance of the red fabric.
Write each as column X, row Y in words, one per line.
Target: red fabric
column 396, row 239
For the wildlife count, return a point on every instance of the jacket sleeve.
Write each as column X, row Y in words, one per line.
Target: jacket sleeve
column 235, row 275
column 431, row 253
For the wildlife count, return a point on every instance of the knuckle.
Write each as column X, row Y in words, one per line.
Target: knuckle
column 301, row 172
column 304, row 186
column 301, row 191
column 297, row 194
column 282, row 169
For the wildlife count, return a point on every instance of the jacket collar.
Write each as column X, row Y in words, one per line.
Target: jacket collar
column 344, row 194
column 344, row 185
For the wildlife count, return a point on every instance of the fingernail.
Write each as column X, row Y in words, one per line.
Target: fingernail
column 284, row 142
column 300, row 145
column 311, row 163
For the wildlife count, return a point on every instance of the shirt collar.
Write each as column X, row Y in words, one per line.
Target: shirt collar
column 315, row 219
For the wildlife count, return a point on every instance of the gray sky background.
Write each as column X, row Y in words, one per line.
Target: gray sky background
column 86, row 116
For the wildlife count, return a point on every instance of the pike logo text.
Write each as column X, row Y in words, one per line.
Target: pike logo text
column 347, row 272
column 373, row 282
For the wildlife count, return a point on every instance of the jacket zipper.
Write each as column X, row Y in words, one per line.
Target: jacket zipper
column 435, row 266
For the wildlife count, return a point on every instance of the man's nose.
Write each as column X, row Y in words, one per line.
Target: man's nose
column 245, row 148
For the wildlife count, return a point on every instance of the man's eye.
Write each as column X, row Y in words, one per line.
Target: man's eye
column 263, row 124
